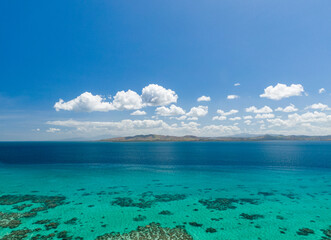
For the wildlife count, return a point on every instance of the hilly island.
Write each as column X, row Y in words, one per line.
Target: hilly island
column 191, row 138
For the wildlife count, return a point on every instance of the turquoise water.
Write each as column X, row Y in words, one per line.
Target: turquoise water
column 107, row 191
column 279, row 201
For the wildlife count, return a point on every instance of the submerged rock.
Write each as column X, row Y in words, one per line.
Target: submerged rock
column 305, row 231
column 152, row 231
column 211, row 230
column 139, row 218
column 251, row 217
column 72, row 221
column 195, row 224
column 165, row 212
column 327, row 233
column 266, row 194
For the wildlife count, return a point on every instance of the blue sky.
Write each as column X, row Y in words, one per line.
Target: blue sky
column 186, row 49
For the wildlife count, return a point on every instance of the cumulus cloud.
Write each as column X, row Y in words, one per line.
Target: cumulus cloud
column 281, row 91
column 248, row 122
column 232, row 97
column 86, row 102
column 53, row 130
column 193, row 119
column 295, row 119
column 155, row 95
column 129, row 127
column 290, row 108
column 173, row 110
column 179, row 118
column 321, row 90
column 220, row 118
column 223, row 113
column 138, row 113
column 253, row 109
column 203, row 99
column 152, row 95
column 235, row 118
column 199, row 111
column 319, row 106
column 128, row 100
column 237, row 84
column 265, row 115
column 248, row 117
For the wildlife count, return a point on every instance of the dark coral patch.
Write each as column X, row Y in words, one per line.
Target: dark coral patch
column 150, row 231
column 146, row 200
column 305, row 231
column 251, row 216
column 195, row 224
column 211, row 230
column 139, row 218
column 222, row 204
column 165, row 212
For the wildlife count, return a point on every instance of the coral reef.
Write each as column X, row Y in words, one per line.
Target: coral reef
column 139, row 218
column 327, row 233
column 195, row 224
column 211, row 230
column 150, row 232
column 165, row 212
column 305, row 231
column 147, row 200
column 222, row 204
column 251, row 217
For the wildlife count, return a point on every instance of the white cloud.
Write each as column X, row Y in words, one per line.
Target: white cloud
column 203, row 99
column 282, row 91
column 199, row 111
column 128, row 100
column 265, row 115
column 248, row 117
column 138, row 113
column 232, row 111
column 265, row 109
column 193, row 119
column 319, row 106
column 173, row 110
column 290, row 108
column 129, row 127
column 321, row 90
column 237, row 84
column 180, row 118
column 152, row 95
column 248, row 122
column 235, row 118
column 220, row 118
column 232, row 97
column 215, row 130
column 295, row 119
column 86, row 102
column 53, row 130
column 155, row 95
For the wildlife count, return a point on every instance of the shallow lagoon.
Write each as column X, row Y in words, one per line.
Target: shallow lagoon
column 232, row 202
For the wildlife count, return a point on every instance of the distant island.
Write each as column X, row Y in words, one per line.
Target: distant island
column 190, row 138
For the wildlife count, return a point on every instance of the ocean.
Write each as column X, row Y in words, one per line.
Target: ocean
column 165, row 190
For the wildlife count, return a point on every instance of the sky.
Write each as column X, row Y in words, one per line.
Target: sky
column 74, row 70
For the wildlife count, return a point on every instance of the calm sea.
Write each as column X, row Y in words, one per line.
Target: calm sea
column 275, row 153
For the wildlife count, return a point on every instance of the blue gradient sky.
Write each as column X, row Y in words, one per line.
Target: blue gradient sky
column 61, row 49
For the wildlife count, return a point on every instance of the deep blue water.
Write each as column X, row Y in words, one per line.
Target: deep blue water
column 273, row 153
